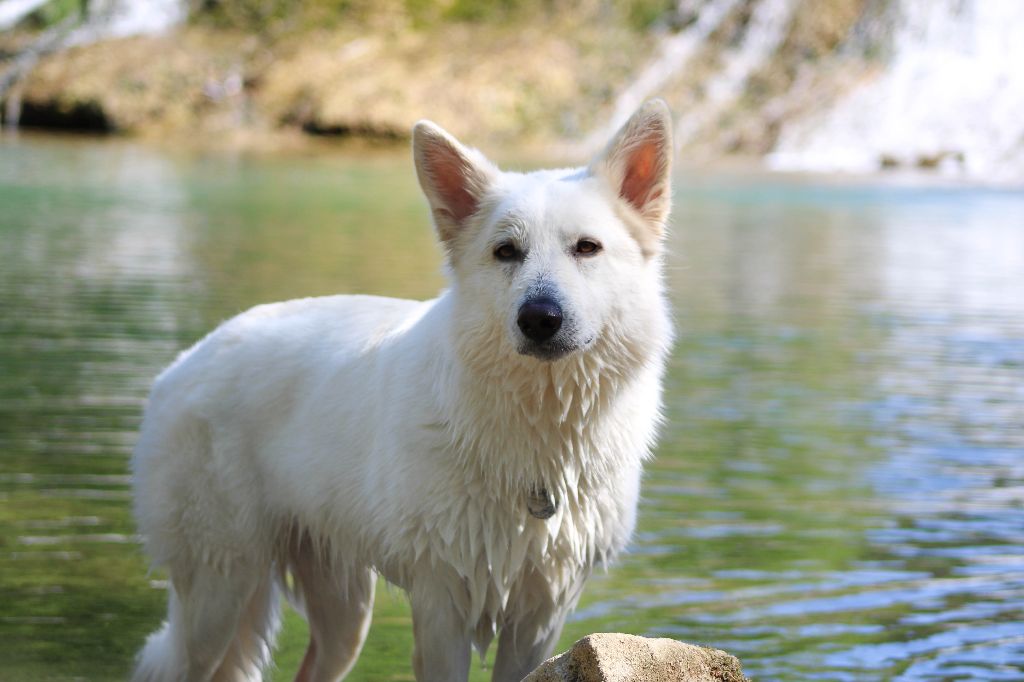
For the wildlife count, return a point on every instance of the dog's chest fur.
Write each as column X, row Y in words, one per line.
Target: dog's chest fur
column 557, row 427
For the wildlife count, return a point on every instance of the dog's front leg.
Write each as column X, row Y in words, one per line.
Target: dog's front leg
column 442, row 648
column 525, row 644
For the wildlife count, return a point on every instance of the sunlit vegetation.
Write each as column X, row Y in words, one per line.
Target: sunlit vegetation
column 259, row 14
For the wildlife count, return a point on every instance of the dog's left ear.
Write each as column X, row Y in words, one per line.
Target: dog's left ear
column 637, row 165
column 453, row 177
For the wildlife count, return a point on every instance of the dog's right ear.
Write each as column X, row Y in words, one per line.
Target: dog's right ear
column 637, row 165
column 453, row 177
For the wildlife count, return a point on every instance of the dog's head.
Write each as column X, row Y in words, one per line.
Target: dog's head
column 548, row 262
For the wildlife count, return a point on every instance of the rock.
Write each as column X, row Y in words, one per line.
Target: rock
column 613, row 657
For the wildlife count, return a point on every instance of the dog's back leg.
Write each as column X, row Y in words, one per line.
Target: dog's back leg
column 338, row 604
column 206, row 609
column 213, row 604
column 250, row 650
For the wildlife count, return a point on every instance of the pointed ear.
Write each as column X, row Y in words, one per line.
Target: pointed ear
column 637, row 165
column 454, row 178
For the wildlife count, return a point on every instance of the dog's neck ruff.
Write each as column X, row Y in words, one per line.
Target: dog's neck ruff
column 539, row 423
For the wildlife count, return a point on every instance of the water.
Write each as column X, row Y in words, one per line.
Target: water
column 673, row 53
column 13, row 11
column 838, row 493
column 766, row 30
column 111, row 19
column 107, row 19
column 949, row 94
column 930, row 84
column 763, row 33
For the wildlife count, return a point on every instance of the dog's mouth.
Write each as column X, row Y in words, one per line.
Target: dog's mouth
column 554, row 349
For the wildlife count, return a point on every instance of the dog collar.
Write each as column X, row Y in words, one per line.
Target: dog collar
column 541, row 503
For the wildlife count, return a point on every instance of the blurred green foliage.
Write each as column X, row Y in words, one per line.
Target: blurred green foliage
column 643, row 14
column 260, row 15
column 54, row 12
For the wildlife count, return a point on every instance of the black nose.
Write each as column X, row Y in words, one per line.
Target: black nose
column 540, row 319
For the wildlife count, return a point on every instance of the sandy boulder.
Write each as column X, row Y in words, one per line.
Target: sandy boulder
column 613, row 657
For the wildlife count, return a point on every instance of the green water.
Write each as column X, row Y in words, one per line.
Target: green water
column 838, row 493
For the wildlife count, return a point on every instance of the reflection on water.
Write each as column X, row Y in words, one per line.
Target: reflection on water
column 838, row 495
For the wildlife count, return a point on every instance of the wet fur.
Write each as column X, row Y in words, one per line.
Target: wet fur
column 336, row 439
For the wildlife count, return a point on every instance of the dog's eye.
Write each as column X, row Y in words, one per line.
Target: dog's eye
column 587, row 247
column 507, row 252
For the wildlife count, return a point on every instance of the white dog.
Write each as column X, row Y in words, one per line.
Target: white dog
column 482, row 450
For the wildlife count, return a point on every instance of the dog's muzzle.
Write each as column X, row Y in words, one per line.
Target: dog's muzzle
column 539, row 319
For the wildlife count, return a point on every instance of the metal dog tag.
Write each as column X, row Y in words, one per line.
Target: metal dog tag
column 541, row 504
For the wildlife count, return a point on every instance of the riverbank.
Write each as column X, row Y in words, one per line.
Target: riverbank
column 537, row 77
column 534, row 81
column 858, row 86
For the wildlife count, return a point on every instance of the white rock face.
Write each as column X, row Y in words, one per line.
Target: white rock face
column 951, row 97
